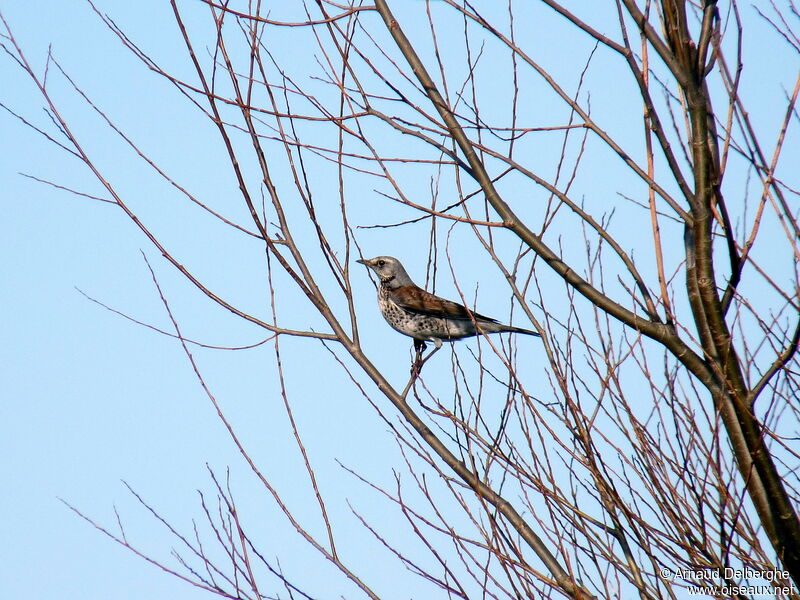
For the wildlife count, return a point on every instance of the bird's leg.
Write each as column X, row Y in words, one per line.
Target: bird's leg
column 436, row 348
column 416, row 366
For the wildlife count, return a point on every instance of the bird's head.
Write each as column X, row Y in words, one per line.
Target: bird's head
column 389, row 269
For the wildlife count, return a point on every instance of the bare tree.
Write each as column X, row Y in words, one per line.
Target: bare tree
column 655, row 449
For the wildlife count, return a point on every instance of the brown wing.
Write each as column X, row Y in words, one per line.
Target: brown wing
column 418, row 300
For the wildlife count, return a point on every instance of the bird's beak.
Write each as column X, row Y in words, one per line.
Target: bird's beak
column 362, row 261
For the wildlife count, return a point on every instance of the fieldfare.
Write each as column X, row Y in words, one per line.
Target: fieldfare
column 419, row 314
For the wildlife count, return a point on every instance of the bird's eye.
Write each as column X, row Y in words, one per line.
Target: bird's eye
column 381, row 263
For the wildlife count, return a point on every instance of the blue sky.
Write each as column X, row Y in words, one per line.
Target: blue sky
column 91, row 399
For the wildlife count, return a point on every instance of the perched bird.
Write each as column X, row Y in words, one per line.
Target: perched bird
column 419, row 314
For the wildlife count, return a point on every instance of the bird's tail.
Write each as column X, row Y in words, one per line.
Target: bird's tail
column 499, row 328
column 521, row 330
